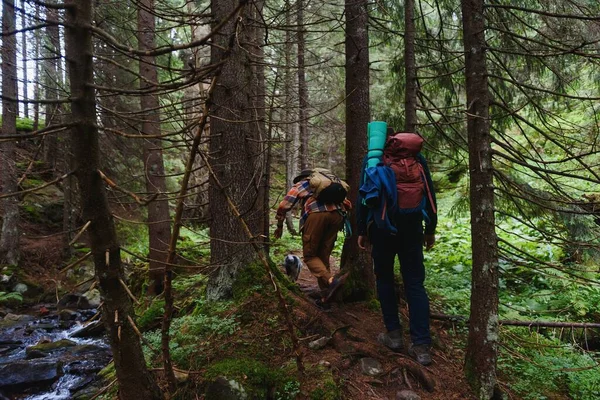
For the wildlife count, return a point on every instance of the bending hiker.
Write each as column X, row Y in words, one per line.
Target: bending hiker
column 395, row 199
column 323, row 199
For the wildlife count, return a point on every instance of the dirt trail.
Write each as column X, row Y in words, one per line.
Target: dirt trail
column 356, row 339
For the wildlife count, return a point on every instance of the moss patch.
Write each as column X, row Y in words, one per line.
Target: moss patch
column 48, row 347
column 323, row 384
column 328, row 390
column 251, row 279
column 151, row 317
column 257, row 378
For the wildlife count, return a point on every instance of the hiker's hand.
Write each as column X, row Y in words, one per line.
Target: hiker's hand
column 363, row 242
column 428, row 241
column 278, row 232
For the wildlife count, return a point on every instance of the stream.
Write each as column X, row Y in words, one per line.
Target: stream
column 51, row 354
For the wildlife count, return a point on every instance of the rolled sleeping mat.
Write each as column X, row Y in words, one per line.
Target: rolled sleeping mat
column 376, row 136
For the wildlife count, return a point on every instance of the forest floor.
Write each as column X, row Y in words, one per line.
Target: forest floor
column 332, row 372
column 358, row 325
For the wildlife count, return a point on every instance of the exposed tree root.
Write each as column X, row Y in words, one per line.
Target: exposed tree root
column 347, row 341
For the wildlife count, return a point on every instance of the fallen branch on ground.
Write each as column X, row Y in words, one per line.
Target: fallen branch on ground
column 532, row 324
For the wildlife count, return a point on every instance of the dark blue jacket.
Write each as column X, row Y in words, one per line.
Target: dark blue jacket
column 377, row 199
column 380, row 196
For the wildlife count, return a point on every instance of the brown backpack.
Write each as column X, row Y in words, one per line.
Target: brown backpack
column 327, row 187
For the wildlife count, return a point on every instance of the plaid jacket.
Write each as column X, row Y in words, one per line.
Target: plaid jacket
column 301, row 192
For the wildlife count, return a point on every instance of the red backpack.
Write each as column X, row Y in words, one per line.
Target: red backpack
column 400, row 154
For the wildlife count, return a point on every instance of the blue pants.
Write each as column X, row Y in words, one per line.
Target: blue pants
column 407, row 244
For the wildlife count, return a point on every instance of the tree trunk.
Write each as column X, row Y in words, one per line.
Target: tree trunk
column 292, row 139
column 259, row 105
column 52, row 79
column 234, row 149
column 302, row 88
column 24, row 60
column 9, row 236
column 135, row 381
column 410, row 68
column 159, row 226
column 480, row 365
column 196, row 207
column 362, row 279
column 36, row 79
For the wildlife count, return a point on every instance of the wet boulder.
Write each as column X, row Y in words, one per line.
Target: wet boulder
column 92, row 329
column 14, row 320
column 33, row 354
column 28, row 373
column 86, row 359
column 68, row 315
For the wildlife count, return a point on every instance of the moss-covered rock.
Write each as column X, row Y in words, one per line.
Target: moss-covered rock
column 52, row 346
column 257, row 378
column 225, row 389
column 44, row 205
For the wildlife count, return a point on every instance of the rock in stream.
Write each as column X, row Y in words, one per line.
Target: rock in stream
column 44, row 357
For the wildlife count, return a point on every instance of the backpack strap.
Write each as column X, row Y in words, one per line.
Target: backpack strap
column 428, row 190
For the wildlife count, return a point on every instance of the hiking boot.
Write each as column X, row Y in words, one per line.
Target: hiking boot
column 334, row 286
column 321, row 305
column 420, row 352
column 392, row 340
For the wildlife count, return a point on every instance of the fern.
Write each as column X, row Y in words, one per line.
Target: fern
column 9, row 297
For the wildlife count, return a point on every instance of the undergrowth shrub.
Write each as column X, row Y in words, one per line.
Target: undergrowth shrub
column 191, row 333
column 537, row 367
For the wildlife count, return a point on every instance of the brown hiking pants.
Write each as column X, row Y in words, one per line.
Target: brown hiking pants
column 318, row 238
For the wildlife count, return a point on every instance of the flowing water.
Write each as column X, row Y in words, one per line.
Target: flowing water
column 49, row 373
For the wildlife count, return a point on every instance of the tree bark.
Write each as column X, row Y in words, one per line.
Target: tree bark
column 410, row 68
column 362, row 279
column 52, row 79
column 260, row 107
column 9, row 236
column 135, row 381
column 196, row 207
column 24, row 59
column 36, row 79
column 482, row 344
column 292, row 139
column 159, row 226
column 234, row 150
column 302, row 88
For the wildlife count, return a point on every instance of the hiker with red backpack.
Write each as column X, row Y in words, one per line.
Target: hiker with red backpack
column 395, row 199
column 322, row 196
